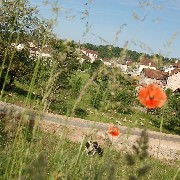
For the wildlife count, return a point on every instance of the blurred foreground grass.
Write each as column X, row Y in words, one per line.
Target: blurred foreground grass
column 33, row 154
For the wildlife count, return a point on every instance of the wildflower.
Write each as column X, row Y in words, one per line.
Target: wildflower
column 152, row 96
column 114, row 131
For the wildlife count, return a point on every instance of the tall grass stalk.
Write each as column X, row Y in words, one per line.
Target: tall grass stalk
column 6, row 52
column 160, row 130
column 8, row 44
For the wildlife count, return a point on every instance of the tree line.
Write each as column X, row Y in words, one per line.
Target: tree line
column 110, row 51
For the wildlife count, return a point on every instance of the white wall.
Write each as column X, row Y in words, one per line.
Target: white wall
column 141, row 67
column 173, row 82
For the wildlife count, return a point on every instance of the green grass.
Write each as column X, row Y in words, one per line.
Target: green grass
column 137, row 119
column 44, row 156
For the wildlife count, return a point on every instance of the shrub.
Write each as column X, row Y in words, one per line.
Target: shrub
column 60, row 108
column 171, row 112
column 76, row 83
column 96, row 100
column 81, row 113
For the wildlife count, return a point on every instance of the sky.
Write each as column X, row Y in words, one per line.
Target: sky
column 148, row 26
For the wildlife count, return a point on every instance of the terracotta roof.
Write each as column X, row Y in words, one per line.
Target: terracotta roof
column 174, row 71
column 154, row 74
column 176, row 65
column 148, row 62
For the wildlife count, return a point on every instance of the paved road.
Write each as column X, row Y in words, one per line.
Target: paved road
column 11, row 108
column 167, row 146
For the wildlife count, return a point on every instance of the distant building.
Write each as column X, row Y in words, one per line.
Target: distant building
column 44, row 52
column 173, row 81
column 18, row 47
column 146, row 63
column 90, row 54
column 149, row 76
column 86, row 54
column 123, row 67
column 169, row 69
column 176, row 65
column 34, row 51
column 107, row 61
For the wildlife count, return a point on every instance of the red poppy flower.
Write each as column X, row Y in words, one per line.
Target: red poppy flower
column 152, row 96
column 113, row 130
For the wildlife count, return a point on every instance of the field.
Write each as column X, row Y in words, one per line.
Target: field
column 137, row 118
column 40, row 155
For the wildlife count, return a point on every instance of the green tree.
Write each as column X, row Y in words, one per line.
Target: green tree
column 55, row 77
column 86, row 65
column 19, row 25
column 95, row 65
column 75, row 85
column 172, row 112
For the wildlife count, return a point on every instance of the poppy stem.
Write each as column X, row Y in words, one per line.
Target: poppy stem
column 112, row 140
column 162, row 120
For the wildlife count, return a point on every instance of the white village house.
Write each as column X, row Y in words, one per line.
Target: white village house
column 146, row 63
column 90, row 54
column 44, row 52
column 18, row 47
column 34, row 51
column 173, row 81
column 149, row 76
column 108, row 62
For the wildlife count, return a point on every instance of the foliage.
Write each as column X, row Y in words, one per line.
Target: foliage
column 20, row 66
column 96, row 100
column 172, row 112
column 110, row 52
column 61, row 106
column 19, row 25
column 95, row 65
column 63, row 64
column 85, row 66
column 123, row 97
column 3, row 133
column 36, row 169
column 81, row 113
column 75, row 85
column 28, row 153
column 101, row 90
column 141, row 154
column 52, row 156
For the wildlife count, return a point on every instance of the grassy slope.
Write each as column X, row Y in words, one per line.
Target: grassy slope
column 137, row 119
column 49, row 156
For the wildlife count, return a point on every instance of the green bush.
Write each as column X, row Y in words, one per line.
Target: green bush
column 81, row 113
column 170, row 113
column 60, row 108
column 86, row 65
column 96, row 100
column 76, row 84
